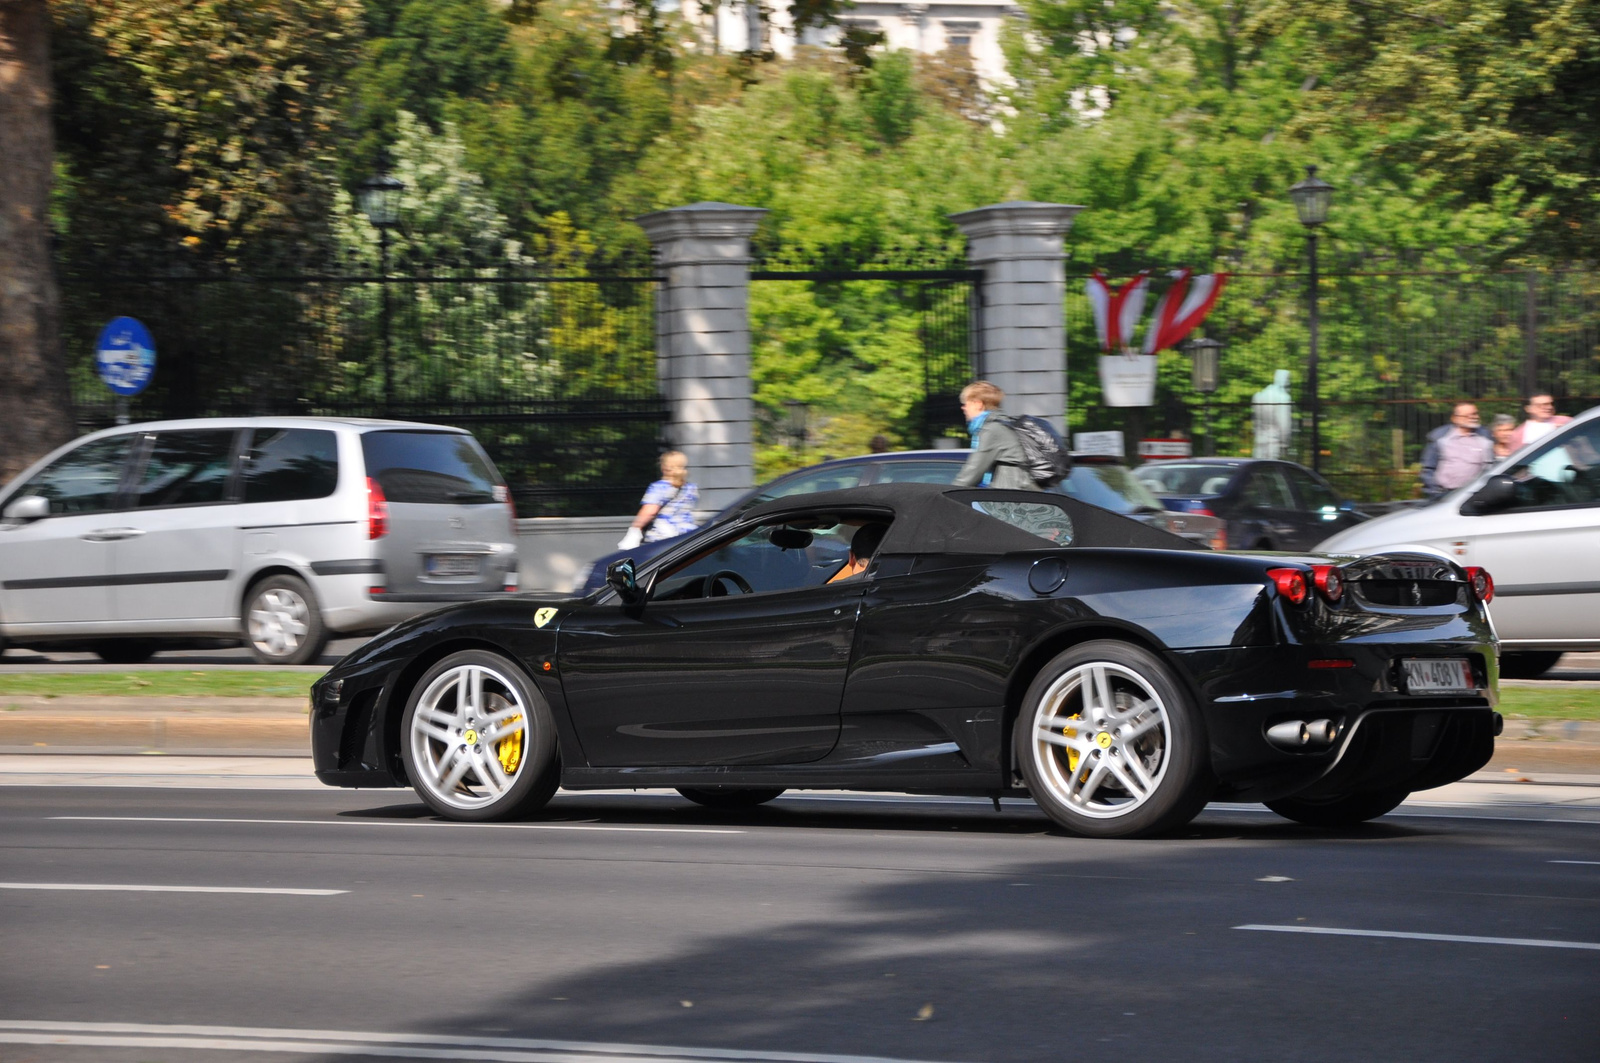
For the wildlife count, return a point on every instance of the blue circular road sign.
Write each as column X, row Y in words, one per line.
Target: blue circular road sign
column 125, row 356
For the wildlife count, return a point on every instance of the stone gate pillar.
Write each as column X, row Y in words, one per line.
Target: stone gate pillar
column 1022, row 340
column 703, row 341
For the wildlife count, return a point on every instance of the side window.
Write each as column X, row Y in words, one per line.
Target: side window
column 84, row 480
column 186, row 468
column 917, row 472
column 1267, row 489
column 1316, row 496
column 1563, row 472
column 285, row 464
column 1043, row 519
column 776, row 557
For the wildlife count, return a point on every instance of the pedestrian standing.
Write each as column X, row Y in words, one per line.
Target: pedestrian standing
column 997, row 459
column 1456, row 453
column 1504, row 427
column 667, row 509
column 1542, row 420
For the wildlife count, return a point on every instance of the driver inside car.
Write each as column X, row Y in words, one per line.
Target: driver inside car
column 863, row 544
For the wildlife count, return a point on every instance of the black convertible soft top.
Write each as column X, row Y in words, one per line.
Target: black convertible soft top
column 939, row 519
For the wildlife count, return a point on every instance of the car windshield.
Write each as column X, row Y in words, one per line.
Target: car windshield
column 1186, row 479
column 1111, row 487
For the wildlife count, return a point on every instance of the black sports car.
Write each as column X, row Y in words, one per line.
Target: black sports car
column 931, row 639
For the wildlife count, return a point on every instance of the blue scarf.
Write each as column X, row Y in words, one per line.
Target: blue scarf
column 975, row 426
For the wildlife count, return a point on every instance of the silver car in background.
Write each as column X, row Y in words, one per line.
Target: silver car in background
column 1533, row 521
column 277, row 531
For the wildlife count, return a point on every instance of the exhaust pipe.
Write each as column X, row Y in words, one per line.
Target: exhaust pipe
column 1296, row 735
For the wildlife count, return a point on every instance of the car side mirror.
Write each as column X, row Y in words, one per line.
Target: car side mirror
column 26, row 508
column 622, row 577
column 1497, row 494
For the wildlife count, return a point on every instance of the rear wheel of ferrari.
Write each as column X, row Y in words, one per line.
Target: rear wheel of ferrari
column 1345, row 810
column 479, row 740
column 1110, row 744
column 728, row 797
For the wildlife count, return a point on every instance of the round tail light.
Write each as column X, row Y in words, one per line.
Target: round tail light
column 1291, row 583
column 1329, row 581
column 1482, row 583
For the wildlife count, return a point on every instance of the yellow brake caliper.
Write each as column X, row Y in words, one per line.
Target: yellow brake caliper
column 509, row 749
column 1072, row 754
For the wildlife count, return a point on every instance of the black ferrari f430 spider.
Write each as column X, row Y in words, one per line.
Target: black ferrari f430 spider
column 929, row 639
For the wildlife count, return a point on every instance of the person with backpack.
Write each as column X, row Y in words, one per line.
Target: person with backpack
column 998, row 456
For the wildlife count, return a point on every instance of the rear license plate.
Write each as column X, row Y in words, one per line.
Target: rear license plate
column 1443, row 675
column 448, row 565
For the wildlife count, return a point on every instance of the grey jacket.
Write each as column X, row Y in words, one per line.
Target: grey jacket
column 997, row 450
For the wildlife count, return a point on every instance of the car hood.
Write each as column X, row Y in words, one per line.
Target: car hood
column 1406, row 527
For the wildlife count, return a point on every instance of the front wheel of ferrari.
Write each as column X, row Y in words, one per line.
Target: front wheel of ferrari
column 1110, row 745
column 478, row 740
column 1346, row 810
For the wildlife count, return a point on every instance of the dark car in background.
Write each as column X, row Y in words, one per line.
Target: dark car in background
column 1268, row 505
column 1100, row 481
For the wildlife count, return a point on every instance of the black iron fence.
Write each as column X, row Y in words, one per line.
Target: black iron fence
column 1398, row 349
column 556, row 375
column 884, row 335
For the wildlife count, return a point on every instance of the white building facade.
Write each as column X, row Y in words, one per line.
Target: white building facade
column 973, row 26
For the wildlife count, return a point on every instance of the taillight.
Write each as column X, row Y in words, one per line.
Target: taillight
column 1202, row 511
column 1219, row 541
column 1291, row 583
column 502, row 493
column 1329, row 581
column 377, row 511
column 1482, row 583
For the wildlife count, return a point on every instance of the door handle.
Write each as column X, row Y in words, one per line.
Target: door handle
column 111, row 535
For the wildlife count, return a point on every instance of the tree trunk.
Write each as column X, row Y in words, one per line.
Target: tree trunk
column 35, row 406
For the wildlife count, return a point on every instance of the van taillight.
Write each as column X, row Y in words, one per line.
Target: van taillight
column 377, row 511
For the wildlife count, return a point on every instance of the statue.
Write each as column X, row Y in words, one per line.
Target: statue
column 1273, row 411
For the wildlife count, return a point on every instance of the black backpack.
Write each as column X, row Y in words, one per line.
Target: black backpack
column 1045, row 457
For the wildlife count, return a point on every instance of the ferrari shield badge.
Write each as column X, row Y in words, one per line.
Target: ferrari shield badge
column 543, row 616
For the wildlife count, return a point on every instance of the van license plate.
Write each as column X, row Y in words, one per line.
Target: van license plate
column 1443, row 675
column 446, row 565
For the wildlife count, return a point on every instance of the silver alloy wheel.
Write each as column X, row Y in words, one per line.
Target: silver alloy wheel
column 279, row 620
column 1101, row 739
column 469, row 736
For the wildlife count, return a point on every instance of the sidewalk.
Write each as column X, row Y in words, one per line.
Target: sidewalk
column 279, row 727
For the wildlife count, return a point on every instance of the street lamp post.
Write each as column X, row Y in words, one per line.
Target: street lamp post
column 379, row 196
column 1311, row 198
column 1207, row 355
column 797, row 413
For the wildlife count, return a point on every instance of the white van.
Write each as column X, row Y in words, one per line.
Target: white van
column 281, row 531
column 1533, row 521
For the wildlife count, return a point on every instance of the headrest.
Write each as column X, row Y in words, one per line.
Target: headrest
column 867, row 538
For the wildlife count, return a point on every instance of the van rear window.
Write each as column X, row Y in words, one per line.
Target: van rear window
column 429, row 467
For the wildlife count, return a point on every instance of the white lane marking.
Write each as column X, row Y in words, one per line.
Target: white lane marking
column 103, row 887
column 1593, row 863
column 1464, row 939
column 414, row 1046
column 392, row 823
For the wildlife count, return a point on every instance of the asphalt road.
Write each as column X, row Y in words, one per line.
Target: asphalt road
column 820, row 927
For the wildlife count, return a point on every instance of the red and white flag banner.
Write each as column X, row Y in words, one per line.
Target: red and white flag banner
column 1116, row 312
column 1181, row 308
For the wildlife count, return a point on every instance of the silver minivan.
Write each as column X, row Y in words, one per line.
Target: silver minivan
column 282, row 531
